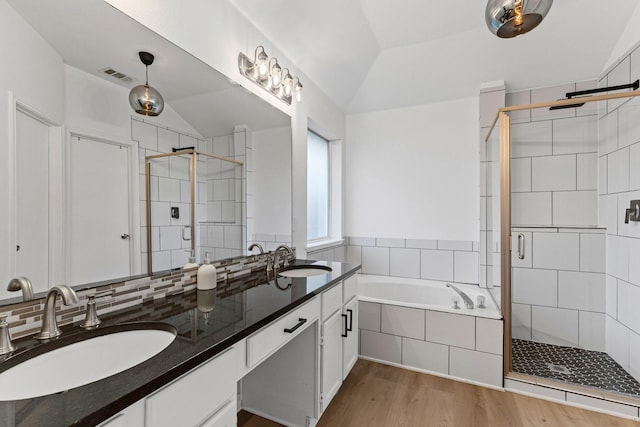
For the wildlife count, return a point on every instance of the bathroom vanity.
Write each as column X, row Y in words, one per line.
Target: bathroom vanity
column 280, row 350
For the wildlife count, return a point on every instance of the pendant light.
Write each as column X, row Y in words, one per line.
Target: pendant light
column 511, row 18
column 144, row 99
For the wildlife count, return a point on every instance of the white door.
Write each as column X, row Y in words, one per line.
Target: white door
column 99, row 242
column 32, row 200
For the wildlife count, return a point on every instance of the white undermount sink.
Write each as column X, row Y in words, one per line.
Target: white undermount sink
column 87, row 357
column 305, row 270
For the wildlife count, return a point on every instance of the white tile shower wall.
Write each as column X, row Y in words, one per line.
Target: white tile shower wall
column 559, row 288
column 554, row 162
column 459, row 346
column 446, row 260
column 618, row 151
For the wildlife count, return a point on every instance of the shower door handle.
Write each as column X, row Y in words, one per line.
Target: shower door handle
column 520, row 246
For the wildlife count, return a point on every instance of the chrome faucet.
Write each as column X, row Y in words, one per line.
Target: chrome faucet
column 275, row 257
column 49, row 323
column 256, row 245
column 467, row 301
column 6, row 346
column 21, row 283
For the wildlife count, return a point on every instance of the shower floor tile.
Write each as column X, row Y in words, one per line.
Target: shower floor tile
column 572, row 365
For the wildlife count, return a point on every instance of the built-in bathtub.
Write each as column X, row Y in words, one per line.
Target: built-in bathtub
column 425, row 294
column 412, row 323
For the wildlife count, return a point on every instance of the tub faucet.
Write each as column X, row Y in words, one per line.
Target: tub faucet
column 467, row 301
column 21, row 283
column 49, row 324
column 275, row 257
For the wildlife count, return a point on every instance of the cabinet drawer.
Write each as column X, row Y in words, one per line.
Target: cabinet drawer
column 267, row 340
column 195, row 396
column 350, row 288
column 225, row 417
column 331, row 301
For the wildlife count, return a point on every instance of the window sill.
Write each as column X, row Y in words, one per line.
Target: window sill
column 324, row 244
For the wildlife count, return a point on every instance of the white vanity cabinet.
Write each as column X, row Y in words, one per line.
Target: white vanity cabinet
column 350, row 310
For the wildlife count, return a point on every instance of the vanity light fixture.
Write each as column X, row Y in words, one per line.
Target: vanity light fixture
column 511, row 18
column 270, row 76
column 144, row 99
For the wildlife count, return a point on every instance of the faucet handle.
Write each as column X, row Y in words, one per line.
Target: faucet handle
column 6, row 346
column 91, row 319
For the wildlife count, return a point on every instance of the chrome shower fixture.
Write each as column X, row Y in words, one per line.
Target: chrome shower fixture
column 268, row 74
column 511, row 18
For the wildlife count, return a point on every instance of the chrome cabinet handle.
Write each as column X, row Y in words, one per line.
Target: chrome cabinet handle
column 301, row 322
column 520, row 246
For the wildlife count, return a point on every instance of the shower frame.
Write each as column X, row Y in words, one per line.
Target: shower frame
column 192, row 180
column 503, row 120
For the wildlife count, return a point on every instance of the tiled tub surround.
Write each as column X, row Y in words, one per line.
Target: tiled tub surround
column 558, row 289
column 25, row 318
column 243, row 305
column 618, row 184
column 464, row 346
column 446, row 260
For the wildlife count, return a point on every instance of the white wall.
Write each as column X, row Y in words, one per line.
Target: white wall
column 629, row 39
column 413, row 172
column 32, row 71
column 272, row 181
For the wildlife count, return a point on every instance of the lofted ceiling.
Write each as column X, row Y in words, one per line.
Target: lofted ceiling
column 369, row 55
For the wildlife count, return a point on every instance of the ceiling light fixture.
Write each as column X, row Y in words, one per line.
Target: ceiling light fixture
column 268, row 74
column 511, row 18
column 144, row 99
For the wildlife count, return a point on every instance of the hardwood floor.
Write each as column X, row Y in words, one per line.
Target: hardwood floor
column 380, row 395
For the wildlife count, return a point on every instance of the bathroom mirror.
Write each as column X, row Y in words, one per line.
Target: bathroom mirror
column 74, row 63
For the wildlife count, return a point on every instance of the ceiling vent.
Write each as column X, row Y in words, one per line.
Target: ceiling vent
column 117, row 75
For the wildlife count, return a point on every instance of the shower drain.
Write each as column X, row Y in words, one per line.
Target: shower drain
column 560, row 369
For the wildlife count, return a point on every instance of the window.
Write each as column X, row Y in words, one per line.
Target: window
column 318, row 187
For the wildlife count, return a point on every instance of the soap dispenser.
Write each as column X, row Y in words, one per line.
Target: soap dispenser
column 192, row 261
column 206, row 279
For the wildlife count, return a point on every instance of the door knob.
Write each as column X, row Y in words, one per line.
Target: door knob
column 124, row 236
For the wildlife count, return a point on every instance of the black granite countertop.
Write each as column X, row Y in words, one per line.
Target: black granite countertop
column 208, row 322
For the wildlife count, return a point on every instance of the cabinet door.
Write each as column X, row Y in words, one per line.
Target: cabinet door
column 225, row 417
column 350, row 342
column 332, row 331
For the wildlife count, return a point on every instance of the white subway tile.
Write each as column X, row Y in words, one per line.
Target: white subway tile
column 390, row 243
column 160, row 213
column 606, row 405
column 608, row 213
column 535, row 286
column 559, row 251
column 632, row 229
column 590, row 108
column 521, row 321
column 628, row 123
column 145, row 134
column 489, row 335
column 168, row 190
column 354, row 254
column 369, row 315
column 187, row 141
column 425, row 355
column 575, row 135
column 405, row 263
column 619, row 75
column 521, row 174
column 375, row 260
column 634, row 267
column 611, row 299
column 531, row 209
column 455, row 245
column 465, row 267
column 451, row 329
column 634, row 355
column 608, row 133
column 634, row 169
column 529, row 388
column 554, row 325
column 161, row 261
column 602, row 174
column 581, row 291
column 362, row 241
column 602, row 105
column 628, row 313
column 167, row 139
column 618, row 171
column 154, row 184
column 381, row 346
column 592, row 252
column 587, row 171
column 422, row 244
column 531, row 139
column 519, row 98
column 403, row 321
column 546, row 94
column 476, row 366
column 179, row 257
column 553, row 173
column 617, row 341
column 591, row 326
column 575, row 208
column 618, row 257
column 170, row 238
column 436, row 264
column 179, row 168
